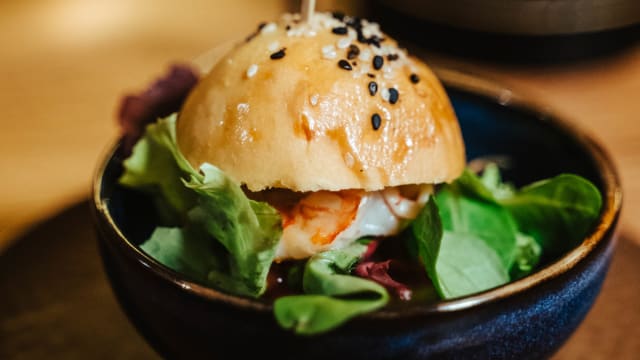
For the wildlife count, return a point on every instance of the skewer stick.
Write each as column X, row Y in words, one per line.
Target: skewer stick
column 307, row 9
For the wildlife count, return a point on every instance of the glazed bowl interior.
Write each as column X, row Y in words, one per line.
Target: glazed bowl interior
column 496, row 124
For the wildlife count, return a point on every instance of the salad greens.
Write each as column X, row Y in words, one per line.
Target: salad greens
column 219, row 212
column 332, row 296
column 472, row 235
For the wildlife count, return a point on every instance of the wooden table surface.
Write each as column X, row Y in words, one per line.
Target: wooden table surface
column 64, row 64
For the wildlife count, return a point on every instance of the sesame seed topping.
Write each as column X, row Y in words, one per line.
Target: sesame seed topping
column 365, row 55
column 329, row 52
column 353, row 52
column 393, row 96
column 278, row 54
column 392, row 57
column 414, row 78
column 338, row 15
column 373, row 88
column 252, row 70
column 341, row 30
column 343, row 43
column 385, row 94
column 370, row 75
column 273, row 46
column 269, row 28
column 376, row 121
column 378, row 61
column 344, row 64
column 314, row 99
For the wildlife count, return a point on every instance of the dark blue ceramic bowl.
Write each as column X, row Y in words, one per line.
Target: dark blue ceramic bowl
column 526, row 319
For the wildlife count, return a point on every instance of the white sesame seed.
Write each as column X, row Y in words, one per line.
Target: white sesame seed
column 329, row 52
column 252, row 70
column 330, row 55
column 314, row 99
column 385, row 94
column 274, row 46
column 344, row 43
column 365, row 55
column 269, row 28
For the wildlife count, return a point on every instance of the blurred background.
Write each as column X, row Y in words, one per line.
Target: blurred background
column 64, row 65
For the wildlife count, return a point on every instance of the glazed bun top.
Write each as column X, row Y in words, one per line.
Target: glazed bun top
column 329, row 104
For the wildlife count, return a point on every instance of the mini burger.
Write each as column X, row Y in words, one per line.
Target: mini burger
column 331, row 123
column 309, row 143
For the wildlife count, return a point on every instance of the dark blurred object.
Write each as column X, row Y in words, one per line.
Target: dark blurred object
column 160, row 99
column 521, row 31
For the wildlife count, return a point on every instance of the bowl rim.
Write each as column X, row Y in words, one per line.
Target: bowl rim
column 612, row 203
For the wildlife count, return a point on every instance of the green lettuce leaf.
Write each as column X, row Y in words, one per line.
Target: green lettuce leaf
column 249, row 230
column 157, row 168
column 557, row 212
column 186, row 252
column 482, row 219
column 457, row 258
column 332, row 297
column 527, row 256
column 215, row 214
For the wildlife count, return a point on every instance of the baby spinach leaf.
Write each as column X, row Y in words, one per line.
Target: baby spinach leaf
column 483, row 219
column 557, row 212
column 331, row 297
column 466, row 265
column 458, row 262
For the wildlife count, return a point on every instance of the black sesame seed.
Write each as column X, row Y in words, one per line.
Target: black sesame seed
column 260, row 26
column 353, row 52
column 392, row 57
column 338, row 15
column 355, row 22
column 373, row 88
column 288, row 27
column 370, row 75
column 375, row 41
column 361, row 38
column 278, row 54
column 341, row 30
column 414, row 78
column 393, row 95
column 378, row 61
column 376, row 121
column 344, row 64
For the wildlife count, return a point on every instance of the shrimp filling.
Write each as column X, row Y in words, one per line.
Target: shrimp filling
column 325, row 220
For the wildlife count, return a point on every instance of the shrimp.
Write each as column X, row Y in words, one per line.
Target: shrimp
column 315, row 221
column 324, row 220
